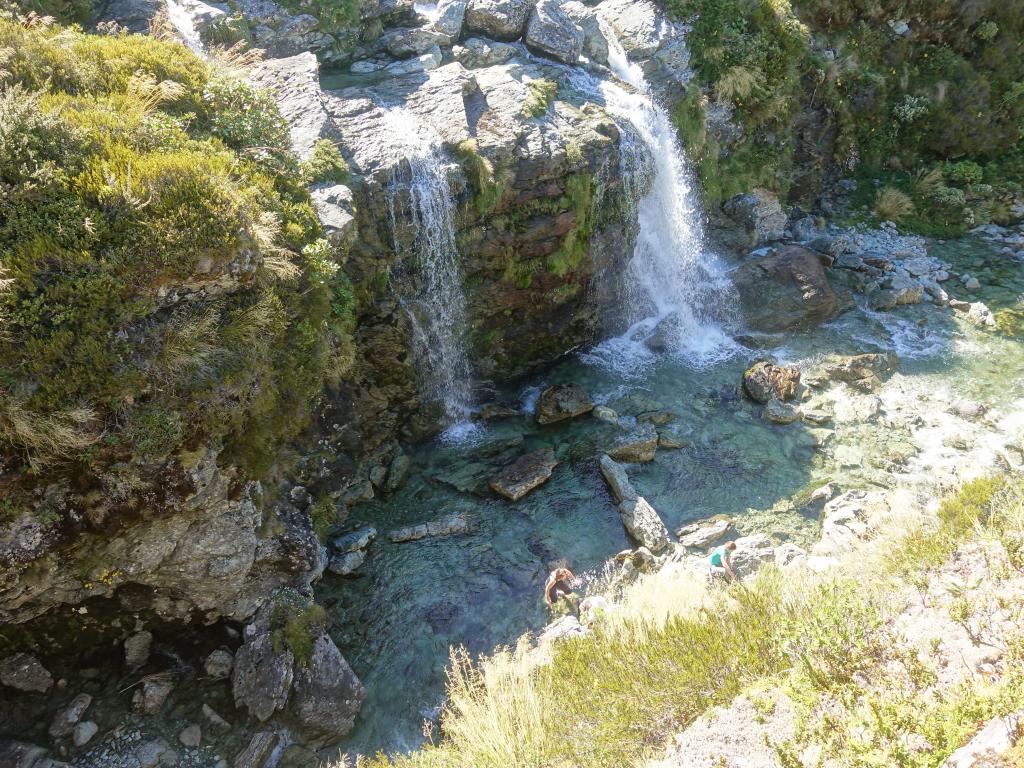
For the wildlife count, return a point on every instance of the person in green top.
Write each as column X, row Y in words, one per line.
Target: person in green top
column 719, row 564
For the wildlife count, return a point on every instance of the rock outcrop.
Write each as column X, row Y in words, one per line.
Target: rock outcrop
column 644, row 524
column 550, row 31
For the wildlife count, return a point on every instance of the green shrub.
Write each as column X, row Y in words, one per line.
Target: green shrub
column 325, row 164
column 963, row 173
column 129, row 173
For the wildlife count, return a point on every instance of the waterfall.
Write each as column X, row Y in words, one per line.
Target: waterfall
column 182, row 22
column 674, row 286
column 437, row 311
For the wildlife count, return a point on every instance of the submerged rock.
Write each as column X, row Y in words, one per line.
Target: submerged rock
column 24, row 672
column 778, row 412
column 606, row 414
column 870, row 365
column 346, row 564
column 561, row 402
column 524, row 474
column 644, row 524
column 617, row 479
column 787, row 290
column 449, row 525
column 256, row 754
column 350, row 542
column 764, row 381
column 639, row 445
column 65, row 720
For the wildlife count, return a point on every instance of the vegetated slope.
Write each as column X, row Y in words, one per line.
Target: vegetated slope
column 927, row 96
column 848, row 651
column 163, row 284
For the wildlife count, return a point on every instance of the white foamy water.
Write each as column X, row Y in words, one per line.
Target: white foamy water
column 438, row 310
column 182, row 22
column 675, row 287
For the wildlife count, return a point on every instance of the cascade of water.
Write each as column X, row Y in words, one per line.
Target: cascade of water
column 674, row 286
column 438, row 310
column 182, row 22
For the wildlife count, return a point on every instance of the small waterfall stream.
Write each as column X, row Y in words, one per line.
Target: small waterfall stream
column 674, row 286
column 438, row 310
column 182, row 22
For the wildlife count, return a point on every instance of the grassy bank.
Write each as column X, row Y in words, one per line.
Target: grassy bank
column 672, row 649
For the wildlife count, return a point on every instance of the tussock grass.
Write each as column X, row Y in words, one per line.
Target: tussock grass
column 673, row 647
column 892, row 205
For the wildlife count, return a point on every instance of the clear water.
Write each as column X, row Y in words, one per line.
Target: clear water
column 420, row 193
column 397, row 620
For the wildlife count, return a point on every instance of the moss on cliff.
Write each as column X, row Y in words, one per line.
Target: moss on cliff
column 159, row 289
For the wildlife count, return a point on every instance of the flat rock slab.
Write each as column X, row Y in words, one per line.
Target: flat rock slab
column 854, row 368
column 524, row 474
column 703, row 534
column 561, row 402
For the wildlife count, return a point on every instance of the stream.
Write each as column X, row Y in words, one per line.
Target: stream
column 411, row 602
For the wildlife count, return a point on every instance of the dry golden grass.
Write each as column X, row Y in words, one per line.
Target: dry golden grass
column 892, row 205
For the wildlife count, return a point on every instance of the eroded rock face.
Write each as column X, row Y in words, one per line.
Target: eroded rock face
column 787, row 290
column 765, row 381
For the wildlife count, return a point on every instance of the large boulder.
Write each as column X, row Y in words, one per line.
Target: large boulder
column 644, row 524
column 524, row 474
column 498, row 19
column 765, row 381
column 326, row 694
column 450, row 15
column 551, row 32
column 595, row 44
column 787, row 290
column 760, row 213
column 636, row 446
column 561, row 402
column 617, row 479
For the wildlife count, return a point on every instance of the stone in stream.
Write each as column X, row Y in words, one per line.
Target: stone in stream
column 605, row 414
column 658, row 418
column 23, row 672
column 191, row 735
column 765, row 380
column 561, row 402
column 83, row 733
column 149, row 697
column 551, row 32
column 854, row 368
column 671, row 442
column 617, row 479
column 965, row 409
column 136, row 649
column 524, row 474
column 261, row 746
column 643, row 524
column 498, row 19
column 448, row 525
column 787, row 290
column 816, row 417
column 704, row 533
column 347, row 563
column 398, row 470
column 638, row 445
column 350, row 542
column 781, row 413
